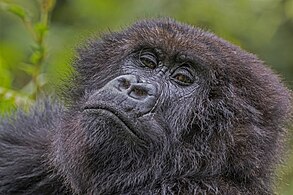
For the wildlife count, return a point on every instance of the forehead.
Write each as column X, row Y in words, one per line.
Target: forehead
column 173, row 38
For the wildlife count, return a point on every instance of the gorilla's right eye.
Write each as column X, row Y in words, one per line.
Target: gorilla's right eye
column 148, row 59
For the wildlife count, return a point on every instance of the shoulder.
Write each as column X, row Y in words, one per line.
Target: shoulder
column 36, row 121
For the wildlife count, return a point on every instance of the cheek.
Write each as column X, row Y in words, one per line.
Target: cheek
column 182, row 95
column 178, row 115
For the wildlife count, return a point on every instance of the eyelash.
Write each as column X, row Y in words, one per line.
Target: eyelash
column 183, row 76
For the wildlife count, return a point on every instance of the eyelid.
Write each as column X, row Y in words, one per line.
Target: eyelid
column 186, row 71
column 148, row 55
column 188, row 65
column 145, row 54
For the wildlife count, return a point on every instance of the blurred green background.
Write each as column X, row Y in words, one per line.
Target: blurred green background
column 38, row 38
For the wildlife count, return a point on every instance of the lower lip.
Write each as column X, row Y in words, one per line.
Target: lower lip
column 113, row 116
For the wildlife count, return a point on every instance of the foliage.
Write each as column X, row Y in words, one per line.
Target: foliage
column 38, row 31
column 37, row 37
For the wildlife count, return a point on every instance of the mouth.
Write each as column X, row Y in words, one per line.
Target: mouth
column 118, row 116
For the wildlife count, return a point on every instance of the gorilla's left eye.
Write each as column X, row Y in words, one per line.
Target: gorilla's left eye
column 148, row 59
column 183, row 77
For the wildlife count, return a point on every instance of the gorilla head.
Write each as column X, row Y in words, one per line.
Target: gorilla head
column 166, row 108
column 163, row 107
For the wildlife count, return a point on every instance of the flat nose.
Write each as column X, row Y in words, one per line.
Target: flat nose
column 129, row 93
column 131, row 86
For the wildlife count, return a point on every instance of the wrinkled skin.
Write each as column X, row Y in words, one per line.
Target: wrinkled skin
column 159, row 108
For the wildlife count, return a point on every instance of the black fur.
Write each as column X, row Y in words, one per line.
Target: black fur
column 129, row 129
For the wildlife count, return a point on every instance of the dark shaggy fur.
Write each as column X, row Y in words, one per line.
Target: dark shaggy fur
column 219, row 134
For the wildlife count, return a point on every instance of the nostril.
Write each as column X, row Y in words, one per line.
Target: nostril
column 138, row 93
column 123, row 83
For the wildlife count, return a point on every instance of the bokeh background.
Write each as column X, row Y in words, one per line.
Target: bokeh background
column 38, row 40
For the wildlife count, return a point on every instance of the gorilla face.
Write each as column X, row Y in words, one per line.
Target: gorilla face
column 166, row 108
column 141, row 100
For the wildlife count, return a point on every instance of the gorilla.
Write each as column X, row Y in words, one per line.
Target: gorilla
column 158, row 108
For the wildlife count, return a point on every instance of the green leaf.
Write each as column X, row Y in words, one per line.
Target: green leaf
column 19, row 11
column 36, row 57
column 41, row 29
